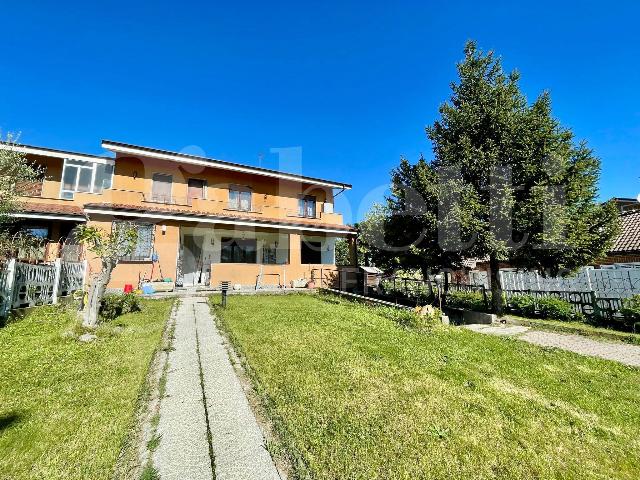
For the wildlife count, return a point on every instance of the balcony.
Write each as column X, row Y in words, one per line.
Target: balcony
column 285, row 210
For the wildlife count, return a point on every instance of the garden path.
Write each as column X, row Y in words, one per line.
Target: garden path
column 207, row 428
column 618, row 352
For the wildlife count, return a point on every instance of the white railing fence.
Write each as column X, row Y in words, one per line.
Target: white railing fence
column 620, row 282
column 26, row 285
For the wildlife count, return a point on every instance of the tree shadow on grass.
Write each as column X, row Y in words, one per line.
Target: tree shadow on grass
column 8, row 419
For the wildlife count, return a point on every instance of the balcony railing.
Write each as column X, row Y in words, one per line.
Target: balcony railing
column 296, row 213
column 167, row 199
column 31, row 189
column 211, row 206
column 234, row 208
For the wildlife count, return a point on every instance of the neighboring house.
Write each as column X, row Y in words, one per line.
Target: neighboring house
column 626, row 248
column 204, row 220
column 626, row 204
column 624, row 252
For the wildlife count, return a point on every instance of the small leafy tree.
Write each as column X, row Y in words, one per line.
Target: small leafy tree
column 19, row 244
column 17, row 174
column 371, row 238
column 342, row 252
column 110, row 248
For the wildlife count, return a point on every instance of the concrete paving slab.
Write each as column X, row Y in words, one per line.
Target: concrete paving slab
column 617, row 352
column 183, row 451
column 238, row 443
column 206, row 422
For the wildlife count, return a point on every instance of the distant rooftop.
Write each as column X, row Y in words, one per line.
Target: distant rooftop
column 626, row 204
column 629, row 239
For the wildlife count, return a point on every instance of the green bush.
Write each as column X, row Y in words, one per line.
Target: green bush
column 114, row 305
column 467, row 300
column 631, row 309
column 557, row 309
column 412, row 319
column 524, row 305
column 545, row 307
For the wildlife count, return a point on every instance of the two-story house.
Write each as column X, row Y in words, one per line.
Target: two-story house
column 200, row 221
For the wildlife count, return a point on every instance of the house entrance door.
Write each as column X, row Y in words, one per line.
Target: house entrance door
column 192, row 260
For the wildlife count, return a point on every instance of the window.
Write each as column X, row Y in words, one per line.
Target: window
column 311, row 252
column 240, row 199
column 86, row 177
column 41, row 232
column 144, row 246
column 196, row 188
column 104, row 178
column 307, row 206
column 235, row 250
column 269, row 254
column 161, row 188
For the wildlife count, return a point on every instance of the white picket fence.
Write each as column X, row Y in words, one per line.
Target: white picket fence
column 25, row 285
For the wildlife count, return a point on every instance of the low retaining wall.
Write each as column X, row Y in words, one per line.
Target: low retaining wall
column 362, row 298
column 460, row 316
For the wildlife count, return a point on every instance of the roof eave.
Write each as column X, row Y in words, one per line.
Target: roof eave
column 186, row 216
column 49, row 216
column 118, row 147
column 52, row 152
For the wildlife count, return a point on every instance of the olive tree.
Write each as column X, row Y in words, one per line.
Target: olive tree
column 109, row 247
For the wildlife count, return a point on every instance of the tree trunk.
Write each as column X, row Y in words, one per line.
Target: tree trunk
column 426, row 271
column 497, row 303
column 96, row 292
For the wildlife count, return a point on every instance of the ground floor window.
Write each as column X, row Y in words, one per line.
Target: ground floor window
column 311, row 252
column 144, row 246
column 39, row 231
column 236, row 250
column 270, row 254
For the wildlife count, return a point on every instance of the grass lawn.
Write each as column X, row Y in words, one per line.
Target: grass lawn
column 67, row 407
column 352, row 395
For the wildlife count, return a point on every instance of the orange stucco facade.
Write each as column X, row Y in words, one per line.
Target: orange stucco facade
column 198, row 234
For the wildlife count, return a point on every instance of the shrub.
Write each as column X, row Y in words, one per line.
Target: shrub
column 557, row 309
column 467, row 300
column 114, row 305
column 523, row 305
column 631, row 308
column 412, row 319
column 545, row 307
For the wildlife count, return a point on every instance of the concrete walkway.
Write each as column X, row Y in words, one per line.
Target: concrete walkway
column 206, row 426
column 617, row 352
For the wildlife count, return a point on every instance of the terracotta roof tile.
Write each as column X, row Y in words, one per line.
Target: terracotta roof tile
column 629, row 238
column 301, row 222
column 52, row 209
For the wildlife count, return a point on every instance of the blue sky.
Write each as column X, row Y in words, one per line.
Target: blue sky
column 352, row 84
